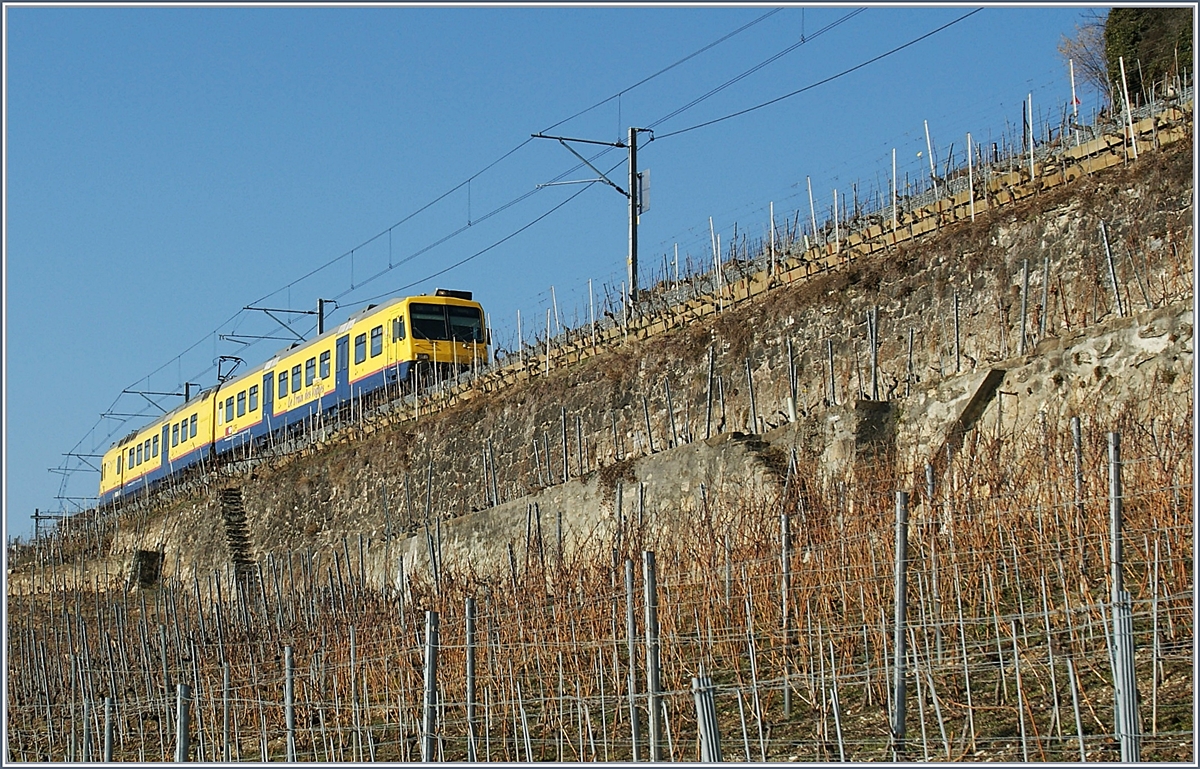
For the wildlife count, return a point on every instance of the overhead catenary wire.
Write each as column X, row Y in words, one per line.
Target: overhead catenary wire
column 821, row 82
column 712, row 92
column 769, row 60
column 665, row 69
column 494, row 244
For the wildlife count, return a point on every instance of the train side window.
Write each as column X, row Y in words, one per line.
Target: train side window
column 254, row 398
column 376, row 341
column 325, row 365
column 283, row 380
column 360, row 348
column 154, row 447
column 397, row 329
column 229, row 409
column 310, row 371
column 132, row 456
column 296, row 378
column 241, row 403
column 193, row 426
column 174, row 435
column 120, row 463
column 139, row 453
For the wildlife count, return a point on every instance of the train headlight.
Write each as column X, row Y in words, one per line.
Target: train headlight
column 422, row 356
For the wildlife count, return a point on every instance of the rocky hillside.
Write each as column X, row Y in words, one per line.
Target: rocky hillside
column 948, row 306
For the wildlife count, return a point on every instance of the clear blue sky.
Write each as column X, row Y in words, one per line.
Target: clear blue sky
column 166, row 166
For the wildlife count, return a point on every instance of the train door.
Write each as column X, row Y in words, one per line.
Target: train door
column 341, row 373
column 268, row 401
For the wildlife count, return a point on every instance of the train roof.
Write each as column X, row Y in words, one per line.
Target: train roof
column 354, row 317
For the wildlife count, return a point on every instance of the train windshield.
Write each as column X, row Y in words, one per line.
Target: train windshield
column 465, row 324
column 443, row 322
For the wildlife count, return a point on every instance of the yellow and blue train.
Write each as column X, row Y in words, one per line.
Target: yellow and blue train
column 380, row 346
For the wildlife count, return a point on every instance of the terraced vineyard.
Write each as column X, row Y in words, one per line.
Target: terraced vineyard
column 1008, row 654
